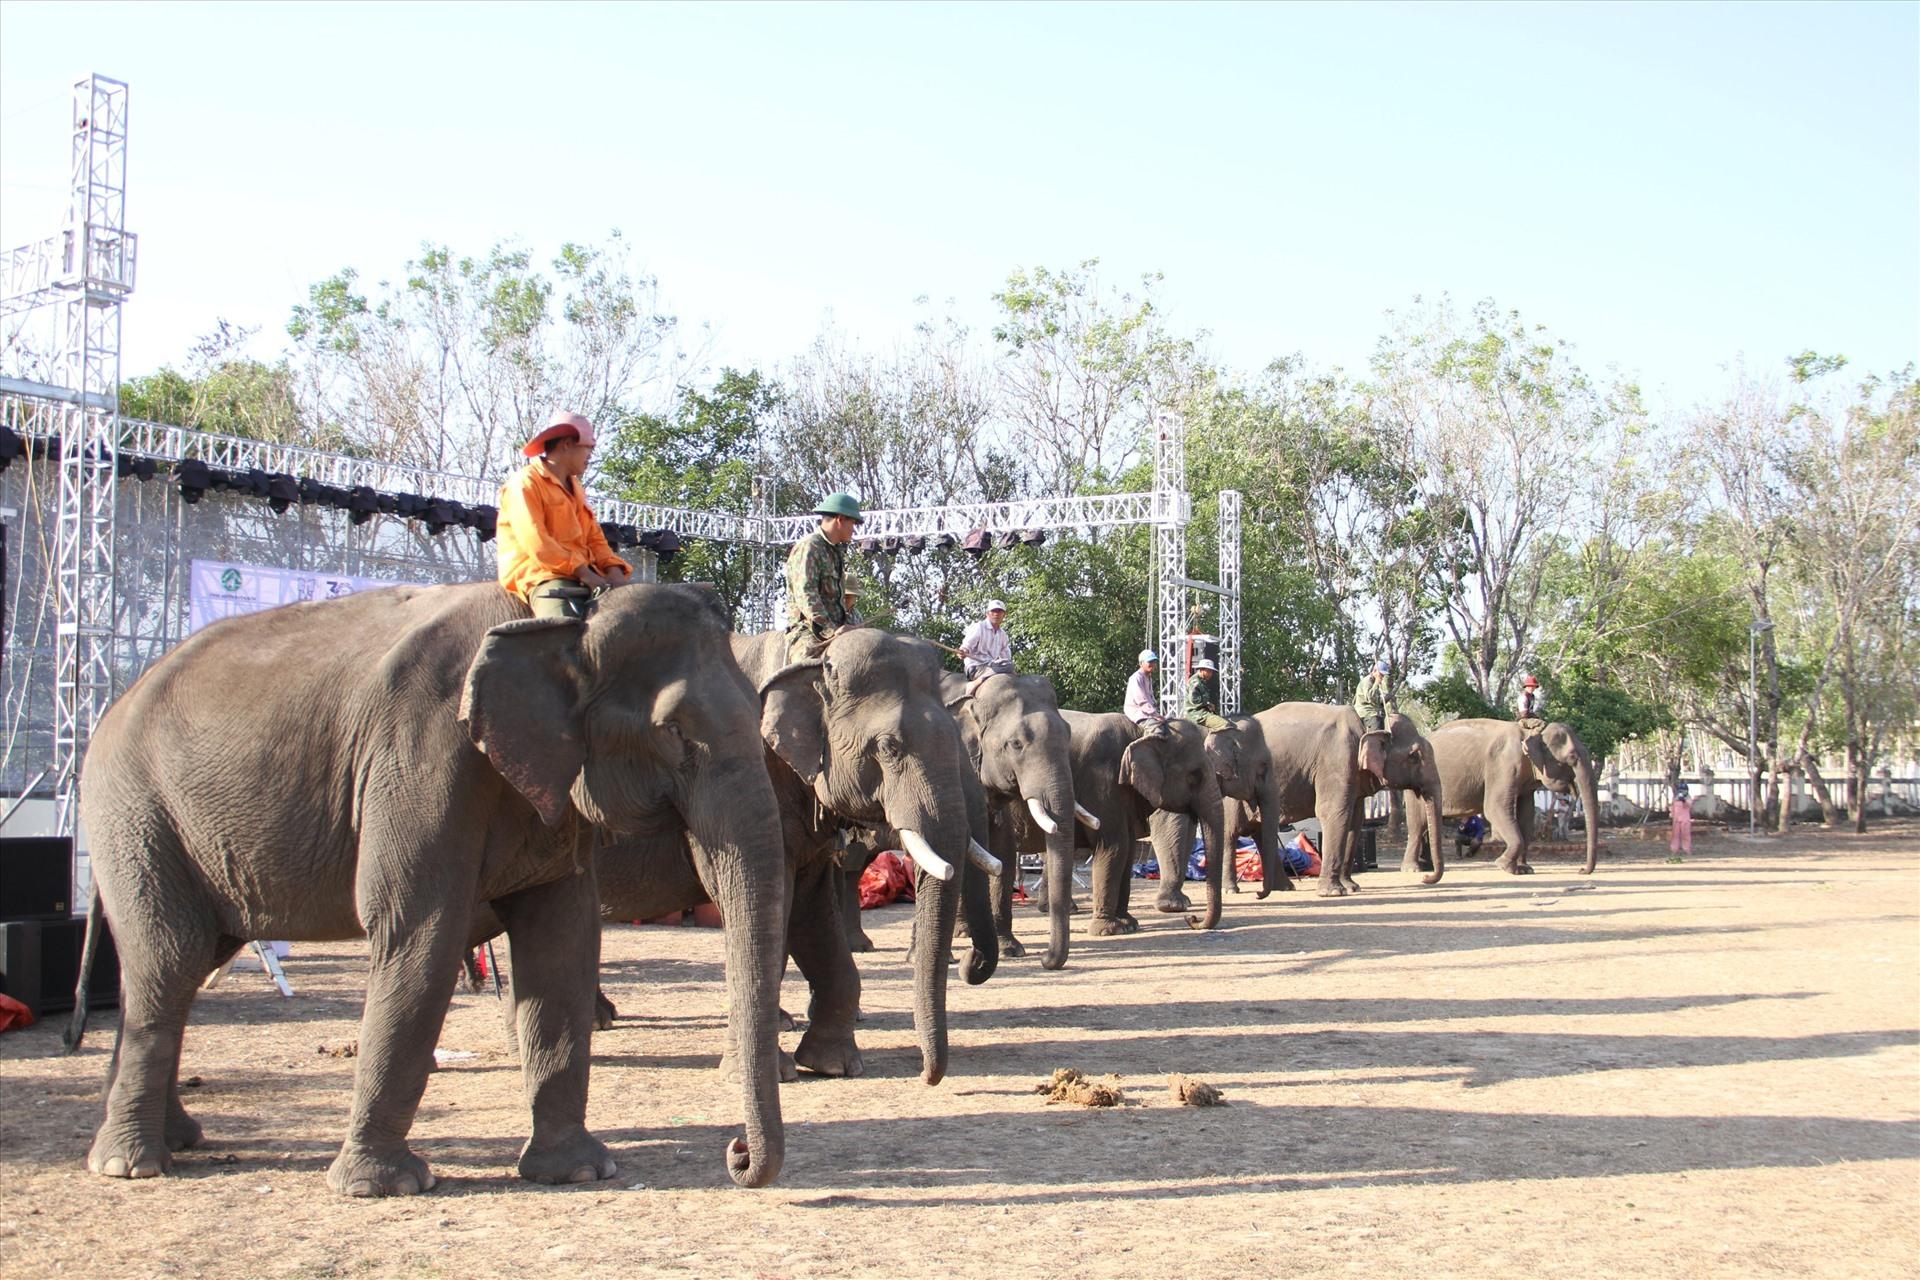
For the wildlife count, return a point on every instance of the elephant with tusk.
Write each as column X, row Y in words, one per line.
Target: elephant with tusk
column 1021, row 750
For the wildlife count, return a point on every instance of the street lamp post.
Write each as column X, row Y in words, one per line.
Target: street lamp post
column 1754, row 633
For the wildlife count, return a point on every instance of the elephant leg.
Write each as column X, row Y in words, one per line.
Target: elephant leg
column 553, row 931
column 1503, row 816
column 413, row 965
column 1001, row 845
column 145, row 1122
column 818, row 947
column 1173, row 898
column 604, row 1011
column 1526, row 819
column 850, row 923
column 1111, row 868
column 1354, row 822
column 1336, row 821
column 1416, row 834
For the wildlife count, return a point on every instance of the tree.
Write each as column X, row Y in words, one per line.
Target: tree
column 452, row 366
column 227, row 393
column 1498, row 423
column 701, row 457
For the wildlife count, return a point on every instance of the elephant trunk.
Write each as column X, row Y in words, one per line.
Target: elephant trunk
column 743, row 863
column 1209, row 809
column 1590, row 804
column 1431, row 797
column 976, row 886
column 1059, row 874
column 937, row 815
column 1273, row 870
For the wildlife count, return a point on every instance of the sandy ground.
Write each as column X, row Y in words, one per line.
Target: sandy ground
column 1706, row 1068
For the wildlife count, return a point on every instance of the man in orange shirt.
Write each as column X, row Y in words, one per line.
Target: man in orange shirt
column 552, row 552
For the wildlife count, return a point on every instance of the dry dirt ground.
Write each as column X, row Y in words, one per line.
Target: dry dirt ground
column 1706, row 1068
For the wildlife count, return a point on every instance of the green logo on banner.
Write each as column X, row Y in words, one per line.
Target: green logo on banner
column 230, row 579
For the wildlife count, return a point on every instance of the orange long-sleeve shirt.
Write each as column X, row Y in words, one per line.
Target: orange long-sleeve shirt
column 546, row 530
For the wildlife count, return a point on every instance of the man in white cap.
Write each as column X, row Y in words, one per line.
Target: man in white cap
column 1143, row 703
column 985, row 648
column 552, row 552
column 1203, row 696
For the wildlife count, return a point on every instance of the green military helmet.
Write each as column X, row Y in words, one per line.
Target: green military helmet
column 840, row 504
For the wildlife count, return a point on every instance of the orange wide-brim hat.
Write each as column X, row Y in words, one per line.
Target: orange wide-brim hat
column 562, row 426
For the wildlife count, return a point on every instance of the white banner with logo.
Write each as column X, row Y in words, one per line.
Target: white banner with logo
column 220, row 590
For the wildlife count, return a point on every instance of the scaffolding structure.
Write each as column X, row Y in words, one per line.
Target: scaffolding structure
column 83, row 274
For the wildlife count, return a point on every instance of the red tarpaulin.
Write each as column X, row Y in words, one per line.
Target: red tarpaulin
column 889, row 878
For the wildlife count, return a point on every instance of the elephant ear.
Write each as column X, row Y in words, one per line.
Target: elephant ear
column 793, row 718
column 1372, row 757
column 521, row 707
column 1142, row 769
column 1223, row 754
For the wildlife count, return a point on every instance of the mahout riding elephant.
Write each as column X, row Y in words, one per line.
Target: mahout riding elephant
column 1137, row 786
column 380, row 766
column 1324, row 765
column 1492, row 767
column 1250, row 793
column 1021, row 748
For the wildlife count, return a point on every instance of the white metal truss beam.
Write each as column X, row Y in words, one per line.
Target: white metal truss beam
column 1097, row 511
column 1229, row 588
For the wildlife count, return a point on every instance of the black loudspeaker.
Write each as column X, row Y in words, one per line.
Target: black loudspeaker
column 40, row 965
column 36, row 878
column 1366, row 849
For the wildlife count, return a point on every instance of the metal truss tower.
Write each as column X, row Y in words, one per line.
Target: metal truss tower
column 1229, row 602
column 1170, row 516
column 84, row 273
column 756, row 611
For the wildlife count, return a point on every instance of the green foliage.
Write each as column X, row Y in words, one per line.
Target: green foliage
column 1453, row 697
column 699, row 457
column 1605, row 717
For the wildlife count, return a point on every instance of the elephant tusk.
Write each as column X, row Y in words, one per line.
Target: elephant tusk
column 924, row 857
column 1040, row 817
column 1087, row 820
column 981, row 859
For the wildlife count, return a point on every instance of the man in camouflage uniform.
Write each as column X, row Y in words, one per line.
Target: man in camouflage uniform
column 1203, row 697
column 1374, row 699
column 817, row 603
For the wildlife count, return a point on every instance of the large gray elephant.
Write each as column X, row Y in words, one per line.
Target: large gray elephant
column 380, row 766
column 861, row 739
column 1137, row 786
column 1021, row 749
column 1325, row 764
column 1250, row 791
column 1493, row 767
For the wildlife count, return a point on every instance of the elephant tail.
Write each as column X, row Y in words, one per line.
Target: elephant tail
column 77, row 1025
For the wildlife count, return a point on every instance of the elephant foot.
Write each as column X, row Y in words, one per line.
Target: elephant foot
column 1011, row 946
column 357, row 1171
column 603, row 1012
column 122, row 1155
column 788, row 1022
column 1172, row 903
column 826, row 1057
column 1112, row 926
column 1333, row 889
column 859, row 942
column 183, row 1131
column 1521, row 868
column 1039, row 902
column 1352, row 885
column 579, row 1158
column 730, row 1067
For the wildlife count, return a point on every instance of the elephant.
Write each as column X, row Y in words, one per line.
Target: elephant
column 1324, row 765
column 381, row 765
column 1137, row 786
column 1250, row 792
column 1493, row 767
column 861, row 738
column 1021, row 749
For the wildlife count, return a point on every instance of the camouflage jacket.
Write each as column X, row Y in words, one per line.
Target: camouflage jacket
column 1373, row 698
column 1202, row 694
column 816, row 585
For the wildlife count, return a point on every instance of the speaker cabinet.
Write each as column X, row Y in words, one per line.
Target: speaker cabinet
column 40, row 965
column 36, row 878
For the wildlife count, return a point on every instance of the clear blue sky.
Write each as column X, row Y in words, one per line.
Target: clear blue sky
column 1667, row 186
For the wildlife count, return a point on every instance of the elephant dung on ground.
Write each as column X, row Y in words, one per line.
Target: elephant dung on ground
column 1492, row 767
column 1324, row 765
column 1138, row 786
column 379, row 766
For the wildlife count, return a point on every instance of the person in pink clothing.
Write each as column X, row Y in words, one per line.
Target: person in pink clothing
column 1681, row 839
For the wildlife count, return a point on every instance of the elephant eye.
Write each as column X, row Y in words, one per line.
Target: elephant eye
column 673, row 727
column 887, row 747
